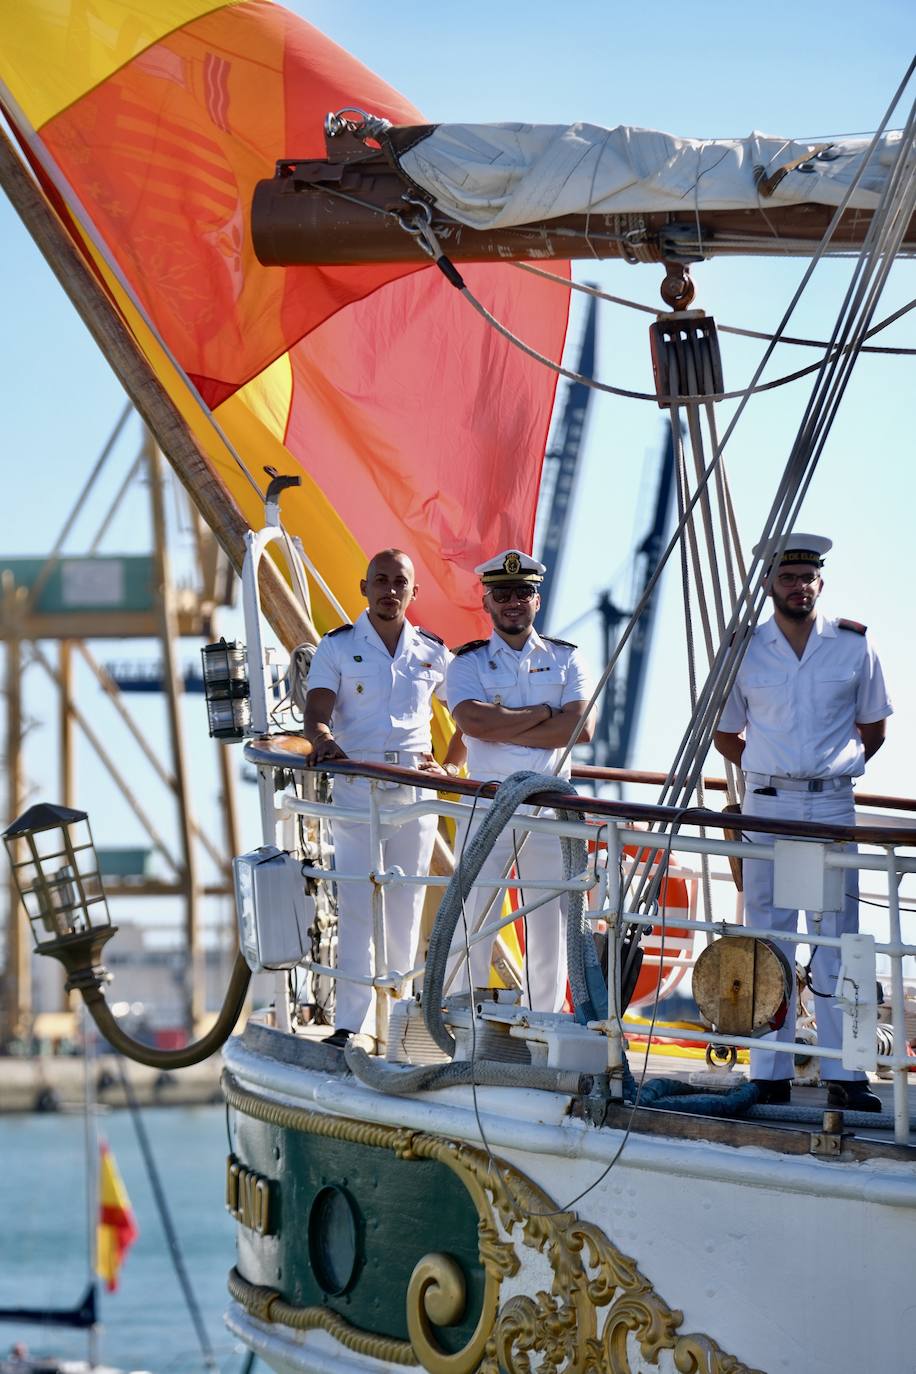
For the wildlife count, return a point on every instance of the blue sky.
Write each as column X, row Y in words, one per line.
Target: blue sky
column 716, row 71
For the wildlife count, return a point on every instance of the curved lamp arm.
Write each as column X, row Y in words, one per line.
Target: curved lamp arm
column 201, row 1049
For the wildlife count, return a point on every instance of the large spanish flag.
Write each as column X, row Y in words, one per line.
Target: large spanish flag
column 409, row 420
column 117, row 1229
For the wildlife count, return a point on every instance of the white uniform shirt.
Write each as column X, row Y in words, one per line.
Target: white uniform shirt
column 543, row 670
column 801, row 713
column 383, row 702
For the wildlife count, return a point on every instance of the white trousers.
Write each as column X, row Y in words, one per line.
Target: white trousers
column 824, row 808
column 545, row 948
column 408, row 847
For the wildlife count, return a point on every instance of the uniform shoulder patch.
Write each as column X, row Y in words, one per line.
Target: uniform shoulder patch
column 565, row 642
column 471, row 645
column 855, row 625
column 428, row 634
column 339, row 631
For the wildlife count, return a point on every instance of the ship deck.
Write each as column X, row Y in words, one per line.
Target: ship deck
column 802, row 1128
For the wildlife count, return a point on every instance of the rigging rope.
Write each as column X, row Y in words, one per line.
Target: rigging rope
column 586, row 289
column 831, row 376
column 885, row 233
column 165, row 1216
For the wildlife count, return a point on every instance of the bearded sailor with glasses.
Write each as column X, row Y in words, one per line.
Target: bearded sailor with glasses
column 807, row 711
column 518, row 698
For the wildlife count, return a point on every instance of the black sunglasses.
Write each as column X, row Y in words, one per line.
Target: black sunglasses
column 503, row 595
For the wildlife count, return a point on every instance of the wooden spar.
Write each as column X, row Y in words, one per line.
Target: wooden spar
column 333, row 213
column 149, row 396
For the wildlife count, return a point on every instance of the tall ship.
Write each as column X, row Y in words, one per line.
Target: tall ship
column 345, row 327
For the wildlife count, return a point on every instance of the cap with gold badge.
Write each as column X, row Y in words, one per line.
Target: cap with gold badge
column 510, row 566
column 802, row 548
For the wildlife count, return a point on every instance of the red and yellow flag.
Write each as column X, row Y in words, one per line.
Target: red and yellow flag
column 410, row 422
column 117, row 1229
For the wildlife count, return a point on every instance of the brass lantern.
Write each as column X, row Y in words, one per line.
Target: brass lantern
column 56, row 869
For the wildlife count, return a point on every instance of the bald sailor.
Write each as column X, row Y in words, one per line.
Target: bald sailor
column 807, row 711
column 518, row 697
column 371, row 689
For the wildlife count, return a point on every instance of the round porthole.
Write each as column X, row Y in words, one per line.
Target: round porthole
column 334, row 1239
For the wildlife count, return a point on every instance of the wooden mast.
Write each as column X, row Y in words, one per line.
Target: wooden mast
column 149, row 396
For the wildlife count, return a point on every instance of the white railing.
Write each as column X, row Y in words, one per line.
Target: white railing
column 608, row 902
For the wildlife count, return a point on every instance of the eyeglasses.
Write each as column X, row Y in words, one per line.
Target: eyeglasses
column 503, row 595
column 796, row 579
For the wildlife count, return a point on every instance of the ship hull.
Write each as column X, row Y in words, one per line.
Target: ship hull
column 683, row 1254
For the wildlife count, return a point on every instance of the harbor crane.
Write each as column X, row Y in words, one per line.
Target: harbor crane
column 618, row 714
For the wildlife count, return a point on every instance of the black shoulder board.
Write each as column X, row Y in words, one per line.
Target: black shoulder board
column 429, row 635
column 471, row 644
column 855, row 625
column 565, row 642
column 339, row 631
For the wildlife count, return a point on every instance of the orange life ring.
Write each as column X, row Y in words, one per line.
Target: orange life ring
column 675, row 900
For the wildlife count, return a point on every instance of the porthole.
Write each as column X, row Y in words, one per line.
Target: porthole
column 334, row 1239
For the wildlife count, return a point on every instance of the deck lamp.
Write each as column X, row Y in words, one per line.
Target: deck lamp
column 227, row 690
column 56, row 870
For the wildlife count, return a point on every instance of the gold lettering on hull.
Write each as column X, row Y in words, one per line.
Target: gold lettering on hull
column 247, row 1197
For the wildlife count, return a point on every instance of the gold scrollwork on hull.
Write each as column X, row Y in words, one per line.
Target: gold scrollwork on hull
column 600, row 1306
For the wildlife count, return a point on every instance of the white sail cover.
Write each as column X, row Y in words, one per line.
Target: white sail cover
column 490, row 176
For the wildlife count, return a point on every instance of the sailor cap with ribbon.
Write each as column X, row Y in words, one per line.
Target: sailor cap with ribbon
column 511, row 566
column 802, row 548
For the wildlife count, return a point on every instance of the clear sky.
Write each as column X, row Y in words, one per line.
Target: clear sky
column 714, row 71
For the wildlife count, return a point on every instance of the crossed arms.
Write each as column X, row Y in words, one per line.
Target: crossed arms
column 529, row 726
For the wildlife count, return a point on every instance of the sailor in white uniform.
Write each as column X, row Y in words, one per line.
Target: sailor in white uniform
column 807, row 710
column 371, row 686
column 517, row 697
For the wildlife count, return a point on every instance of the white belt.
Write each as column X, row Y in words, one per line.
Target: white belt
column 404, row 758
column 798, row 784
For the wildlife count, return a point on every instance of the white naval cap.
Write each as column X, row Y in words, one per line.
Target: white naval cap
column 802, row 548
column 510, row 566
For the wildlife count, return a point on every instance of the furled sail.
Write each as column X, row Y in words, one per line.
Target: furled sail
column 492, row 175
column 408, row 420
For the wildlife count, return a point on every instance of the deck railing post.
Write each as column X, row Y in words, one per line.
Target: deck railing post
column 898, row 1005
column 379, row 946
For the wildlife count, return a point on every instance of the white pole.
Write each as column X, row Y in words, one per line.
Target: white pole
column 379, row 945
column 898, row 1007
column 91, row 1150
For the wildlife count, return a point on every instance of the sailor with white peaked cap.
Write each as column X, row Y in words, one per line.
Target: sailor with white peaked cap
column 518, row 697
column 807, row 710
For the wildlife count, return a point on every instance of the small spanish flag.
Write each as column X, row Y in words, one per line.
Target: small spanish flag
column 117, row 1229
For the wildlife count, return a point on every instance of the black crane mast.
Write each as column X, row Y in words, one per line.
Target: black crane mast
column 619, row 709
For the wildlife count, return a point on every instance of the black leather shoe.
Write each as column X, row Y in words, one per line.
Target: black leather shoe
column 773, row 1092
column 337, row 1039
column 852, row 1096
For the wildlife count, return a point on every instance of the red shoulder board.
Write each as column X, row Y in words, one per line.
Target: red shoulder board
column 855, row 625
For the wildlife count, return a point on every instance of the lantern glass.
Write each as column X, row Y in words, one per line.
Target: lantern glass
column 56, row 869
column 227, row 690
